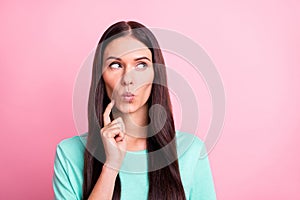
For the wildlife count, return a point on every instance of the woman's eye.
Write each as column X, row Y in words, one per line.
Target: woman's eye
column 114, row 65
column 141, row 66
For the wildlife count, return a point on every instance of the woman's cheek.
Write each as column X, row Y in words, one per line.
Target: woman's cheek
column 146, row 78
column 109, row 88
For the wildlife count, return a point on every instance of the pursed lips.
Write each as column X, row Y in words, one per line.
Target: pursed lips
column 128, row 96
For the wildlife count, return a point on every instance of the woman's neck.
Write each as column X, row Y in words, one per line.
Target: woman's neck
column 135, row 128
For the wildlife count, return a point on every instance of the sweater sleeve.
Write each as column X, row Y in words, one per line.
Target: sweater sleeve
column 61, row 183
column 203, row 185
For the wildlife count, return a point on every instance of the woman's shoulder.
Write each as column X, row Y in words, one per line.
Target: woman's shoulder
column 189, row 147
column 187, row 143
column 68, row 167
column 70, row 147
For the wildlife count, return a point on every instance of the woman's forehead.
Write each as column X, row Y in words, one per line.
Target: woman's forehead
column 126, row 47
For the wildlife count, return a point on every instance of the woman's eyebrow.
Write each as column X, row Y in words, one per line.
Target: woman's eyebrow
column 141, row 58
column 112, row 57
column 136, row 59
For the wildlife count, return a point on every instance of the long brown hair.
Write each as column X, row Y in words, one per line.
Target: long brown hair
column 164, row 183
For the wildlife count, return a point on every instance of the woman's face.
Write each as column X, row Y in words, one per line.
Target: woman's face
column 128, row 73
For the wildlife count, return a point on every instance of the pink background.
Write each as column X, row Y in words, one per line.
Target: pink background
column 254, row 44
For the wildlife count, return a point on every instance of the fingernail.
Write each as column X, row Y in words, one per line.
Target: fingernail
column 113, row 101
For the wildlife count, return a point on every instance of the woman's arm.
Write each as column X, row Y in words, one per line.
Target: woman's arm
column 63, row 188
column 114, row 141
column 65, row 185
column 104, row 187
column 203, row 184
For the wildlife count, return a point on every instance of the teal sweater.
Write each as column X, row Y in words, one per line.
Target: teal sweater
column 194, row 170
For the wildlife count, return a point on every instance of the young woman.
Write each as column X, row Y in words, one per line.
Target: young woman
column 128, row 79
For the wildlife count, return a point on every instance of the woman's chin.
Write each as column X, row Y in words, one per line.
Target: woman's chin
column 125, row 107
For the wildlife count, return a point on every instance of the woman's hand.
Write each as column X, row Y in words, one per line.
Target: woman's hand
column 113, row 138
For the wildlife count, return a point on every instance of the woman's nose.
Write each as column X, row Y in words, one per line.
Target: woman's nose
column 127, row 78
